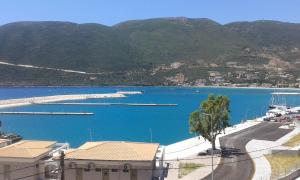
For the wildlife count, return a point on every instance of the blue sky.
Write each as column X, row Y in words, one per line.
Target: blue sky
column 110, row 12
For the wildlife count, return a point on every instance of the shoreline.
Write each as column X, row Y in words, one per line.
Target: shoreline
column 197, row 144
column 139, row 86
column 234, row 87
column 8, row 103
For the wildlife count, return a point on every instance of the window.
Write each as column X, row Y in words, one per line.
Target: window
column 114, row 170
column 98, row 169
column 86, row 169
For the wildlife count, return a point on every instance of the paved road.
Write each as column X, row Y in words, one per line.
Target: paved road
column 295, row 176
column 235, row 163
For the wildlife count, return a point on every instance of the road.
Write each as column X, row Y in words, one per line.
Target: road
column 235, row 163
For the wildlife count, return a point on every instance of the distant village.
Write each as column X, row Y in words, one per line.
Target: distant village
column 230, row 74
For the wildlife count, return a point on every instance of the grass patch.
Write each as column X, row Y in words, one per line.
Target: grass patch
column 294, row 141
column 282, row 164
column 186, row 168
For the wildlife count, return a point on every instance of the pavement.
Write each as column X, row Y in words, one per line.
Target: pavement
column 196, row 174
column 193, row 146
column 236, row 163
column 262, row 166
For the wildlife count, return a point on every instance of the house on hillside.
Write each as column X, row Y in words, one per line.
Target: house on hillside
column 231, row 64
column 115, row 160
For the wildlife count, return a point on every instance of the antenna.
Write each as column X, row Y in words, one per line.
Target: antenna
column 91, row 136
column 150, row 130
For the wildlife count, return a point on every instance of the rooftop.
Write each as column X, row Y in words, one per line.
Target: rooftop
column 26, row 149
column 114, row 151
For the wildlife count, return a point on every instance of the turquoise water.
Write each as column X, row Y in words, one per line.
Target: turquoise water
column 168, row 124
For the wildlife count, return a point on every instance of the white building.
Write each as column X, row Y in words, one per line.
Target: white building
column 4, row 142
column 114, row 161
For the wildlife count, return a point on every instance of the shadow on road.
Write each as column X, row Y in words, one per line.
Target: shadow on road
column 229, row 152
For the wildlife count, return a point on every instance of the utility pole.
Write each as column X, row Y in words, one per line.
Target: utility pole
column 212, row 150
column 62, row 165
column 150, row 130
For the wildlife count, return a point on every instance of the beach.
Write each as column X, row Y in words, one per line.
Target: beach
column 48, row 99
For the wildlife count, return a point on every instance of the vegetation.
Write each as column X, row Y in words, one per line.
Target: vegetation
column 211, row 118
column 139, row 46
column 294, row 141
column 283, row 164
column 186, row 168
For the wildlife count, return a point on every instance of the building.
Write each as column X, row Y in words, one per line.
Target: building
column 4, row 142
column 30, row 160
column 23, row 159
column 179, row 79
column 231, row 64
column 114, row 160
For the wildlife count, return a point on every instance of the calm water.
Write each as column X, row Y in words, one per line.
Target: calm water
column 168, row 124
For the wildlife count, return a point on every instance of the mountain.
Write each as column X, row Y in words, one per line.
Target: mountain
column 135, row 47
column 89, row 47
column 167, row 40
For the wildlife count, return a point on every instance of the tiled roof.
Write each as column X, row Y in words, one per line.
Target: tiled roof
column 114, row 151
column 26, row 149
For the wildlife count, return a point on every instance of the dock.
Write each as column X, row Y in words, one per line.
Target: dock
column 286, row 93
column 107, row 104
column 47, row 113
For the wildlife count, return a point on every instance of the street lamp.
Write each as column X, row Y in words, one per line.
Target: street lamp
column 212, row 150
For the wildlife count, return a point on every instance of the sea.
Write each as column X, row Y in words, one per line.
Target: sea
column 161, row 124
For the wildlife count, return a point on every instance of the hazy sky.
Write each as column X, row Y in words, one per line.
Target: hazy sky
column 110, row 12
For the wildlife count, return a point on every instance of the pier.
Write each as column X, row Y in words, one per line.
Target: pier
column 47, row 113
column 286, row 93
column 107, row 104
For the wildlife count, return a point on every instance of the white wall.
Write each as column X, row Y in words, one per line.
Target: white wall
column 70, row 174
column 120, row 175
column 14, row 174
column 144, row 174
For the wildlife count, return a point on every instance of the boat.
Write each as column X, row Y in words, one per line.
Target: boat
column 277, row 108
column 276, row 112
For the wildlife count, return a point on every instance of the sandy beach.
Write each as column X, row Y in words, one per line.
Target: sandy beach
column 47, row 99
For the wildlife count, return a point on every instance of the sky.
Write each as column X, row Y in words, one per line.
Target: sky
column 110, row 12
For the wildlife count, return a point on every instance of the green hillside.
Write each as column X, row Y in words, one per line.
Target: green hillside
column 179, row 39
column 89, row 47
column 135, row 47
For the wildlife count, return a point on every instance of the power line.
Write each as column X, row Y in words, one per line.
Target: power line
column 31, row 175
column 243, row 153
column 19, row 169
column 176, row 168
column 179, row 159
column 3, row 172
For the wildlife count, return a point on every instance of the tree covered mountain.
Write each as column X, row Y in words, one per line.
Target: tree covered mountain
column 143, row 44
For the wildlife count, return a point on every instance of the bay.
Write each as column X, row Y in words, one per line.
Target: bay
column 167, row 124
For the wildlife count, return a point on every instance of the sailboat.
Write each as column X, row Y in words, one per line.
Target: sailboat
column 277, row 108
